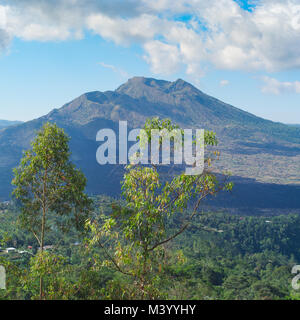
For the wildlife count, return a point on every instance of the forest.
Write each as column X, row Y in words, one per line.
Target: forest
column 221, row 256
column 155, row 242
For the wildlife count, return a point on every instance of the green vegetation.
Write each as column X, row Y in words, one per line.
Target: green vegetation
column 46, row 181
column 154, row 243
column 221, row 256
column 137, row 232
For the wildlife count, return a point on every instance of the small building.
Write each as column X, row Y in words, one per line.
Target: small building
column 46, row 248
column 24, row 252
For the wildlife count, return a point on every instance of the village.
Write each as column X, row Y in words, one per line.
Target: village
column 15, row 253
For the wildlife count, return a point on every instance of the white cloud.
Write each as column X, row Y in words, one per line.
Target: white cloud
column 42, row 22
column 219, row 33
column 4, row 40
column 115, row 69
column 224, row 83
column 4, row 35
column 125, row 31
column 163, row 58
column 274, row 86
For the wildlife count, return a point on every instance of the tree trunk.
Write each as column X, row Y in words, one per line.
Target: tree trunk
column 43, row 231
column 42, row 249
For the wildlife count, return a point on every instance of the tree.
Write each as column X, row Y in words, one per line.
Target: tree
column 46, row 182
column 134, row 236
column 57, row 277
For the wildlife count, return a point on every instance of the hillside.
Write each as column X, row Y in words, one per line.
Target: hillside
column 7, row 123
column 257, row 151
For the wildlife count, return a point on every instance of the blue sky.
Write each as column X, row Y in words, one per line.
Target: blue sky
column 244, row 53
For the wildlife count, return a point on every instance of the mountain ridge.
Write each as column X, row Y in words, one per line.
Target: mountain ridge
column 251, row 147
column 8, row 123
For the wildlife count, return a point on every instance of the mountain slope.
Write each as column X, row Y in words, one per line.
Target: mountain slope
column 7, row 123
column 251, row 147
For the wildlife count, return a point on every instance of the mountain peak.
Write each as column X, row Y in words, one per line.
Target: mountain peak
column 149, row 88
column 142, row 81
column 151, row 82
column 180, row 84
column 241, row 135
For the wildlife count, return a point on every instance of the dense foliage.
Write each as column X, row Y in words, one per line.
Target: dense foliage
column 153, row 243
column 221, row 256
